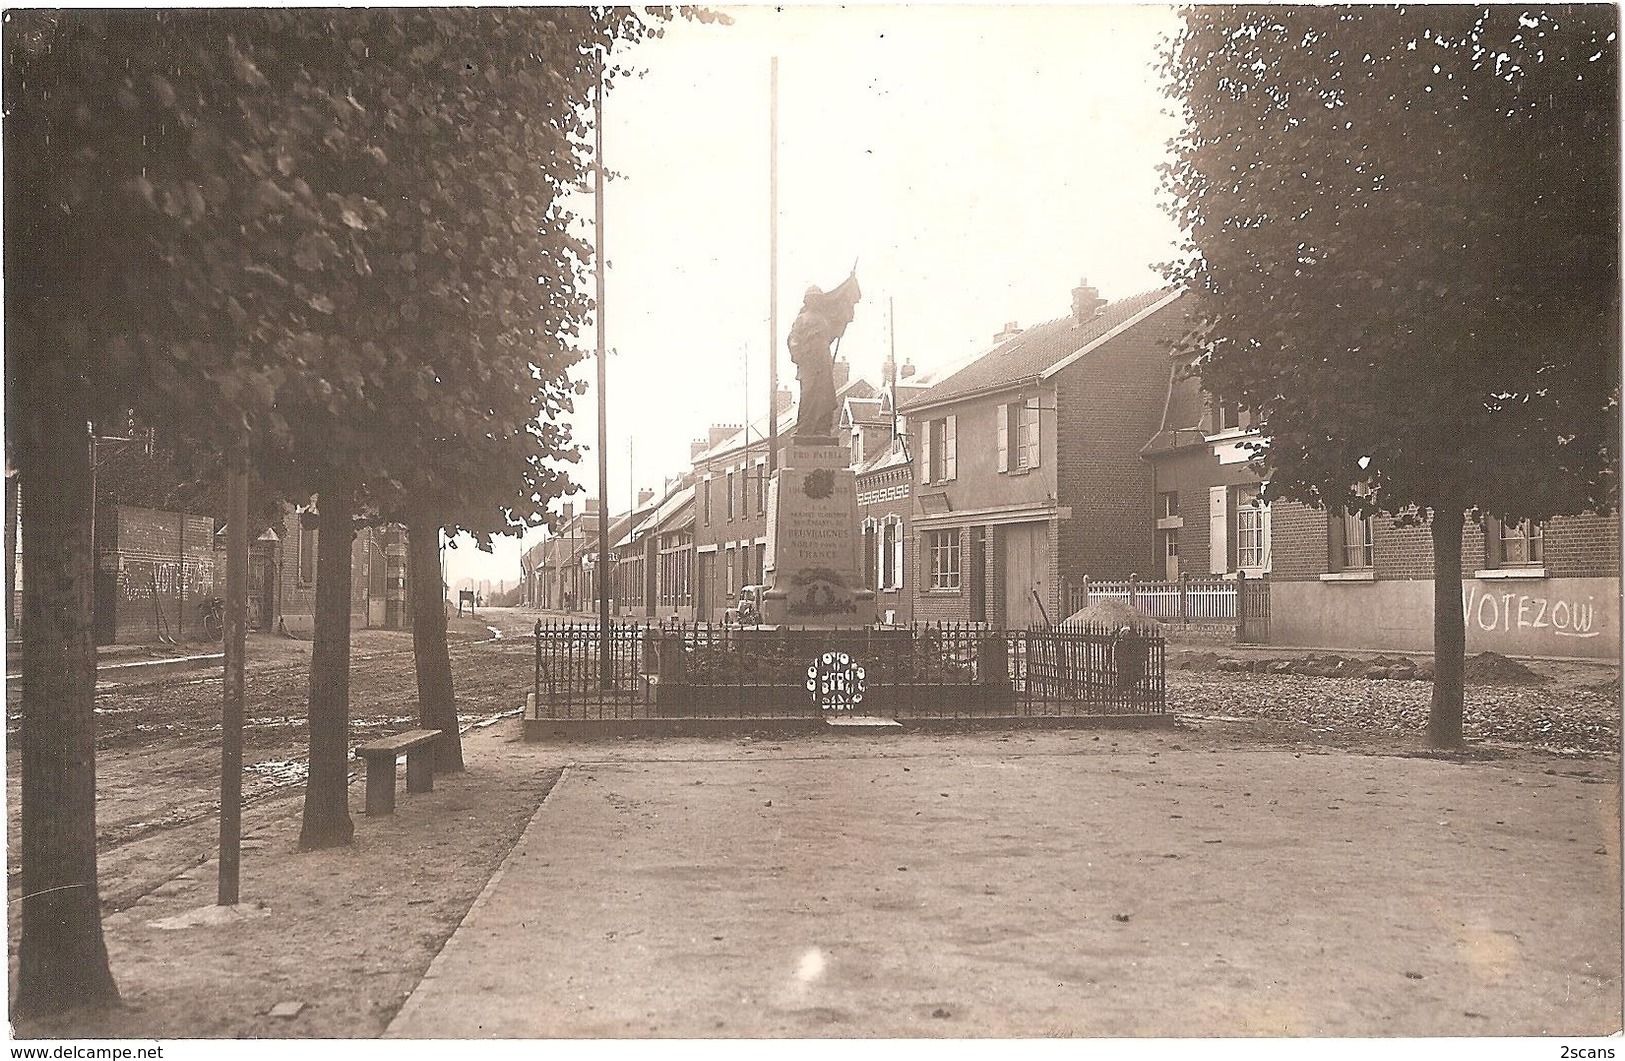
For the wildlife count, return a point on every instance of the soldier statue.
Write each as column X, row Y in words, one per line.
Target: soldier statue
column 817, row 328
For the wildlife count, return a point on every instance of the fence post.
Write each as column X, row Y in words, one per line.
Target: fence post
column 1133, row 583
column 1241, row 607
column 1184, row 596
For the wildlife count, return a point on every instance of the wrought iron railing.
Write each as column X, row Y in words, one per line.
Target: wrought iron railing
column 948, row 670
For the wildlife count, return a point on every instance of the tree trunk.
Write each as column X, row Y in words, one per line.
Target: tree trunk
column 437, row 700
column 1449, row 629
column 62, row 958
column 327, row 791
column 11, row 549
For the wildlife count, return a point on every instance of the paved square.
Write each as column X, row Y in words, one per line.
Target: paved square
column 1052, row 884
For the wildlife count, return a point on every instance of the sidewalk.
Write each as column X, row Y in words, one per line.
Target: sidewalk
column 1050, row 884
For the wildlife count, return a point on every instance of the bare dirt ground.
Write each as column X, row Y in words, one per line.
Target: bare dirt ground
column 349, row 933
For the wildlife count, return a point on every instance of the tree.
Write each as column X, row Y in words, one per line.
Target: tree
column 98, row 123
column 1403, row 227
column 446, row 307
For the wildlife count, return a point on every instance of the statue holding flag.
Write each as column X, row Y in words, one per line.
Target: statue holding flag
column 814, row 339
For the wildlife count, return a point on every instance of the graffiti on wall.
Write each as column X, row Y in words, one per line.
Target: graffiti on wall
column 1508, row 612
column 141, row 579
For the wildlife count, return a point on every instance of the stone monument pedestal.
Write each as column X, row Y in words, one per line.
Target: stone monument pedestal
column 813, row 545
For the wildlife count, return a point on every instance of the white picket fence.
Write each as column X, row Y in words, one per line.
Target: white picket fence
column 1187, row 600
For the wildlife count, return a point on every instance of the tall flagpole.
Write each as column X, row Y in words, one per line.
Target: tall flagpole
column 604, row 675
column 773, row 270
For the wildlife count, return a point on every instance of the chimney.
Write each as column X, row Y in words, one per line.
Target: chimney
column 696, row 447
column 720, row 432
column 785, row 398
column 589, row 507
column 907, row 371
column 842, row 371
column 569, row 510
column 1086, row 302
column 645, row 496
column 1009, row 331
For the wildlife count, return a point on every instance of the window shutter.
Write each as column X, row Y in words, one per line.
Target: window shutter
column 1004, row 438
column 950, row 449
column 923, row 452
column 1264, row 523
column 897, row 561
column 1032, row 432
column 1218, row 526
column 1334, row 539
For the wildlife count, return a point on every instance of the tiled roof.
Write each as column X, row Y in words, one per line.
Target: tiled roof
column 668, row 508
column 893, row 456
column 1034, row 351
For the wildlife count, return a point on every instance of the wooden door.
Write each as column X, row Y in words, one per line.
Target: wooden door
column 1026, row 574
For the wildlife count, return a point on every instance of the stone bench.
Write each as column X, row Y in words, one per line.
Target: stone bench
column 381, row 755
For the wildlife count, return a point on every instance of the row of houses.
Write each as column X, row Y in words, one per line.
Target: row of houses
column 1074, row 456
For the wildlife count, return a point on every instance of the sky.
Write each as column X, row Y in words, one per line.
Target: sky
column 976, row 162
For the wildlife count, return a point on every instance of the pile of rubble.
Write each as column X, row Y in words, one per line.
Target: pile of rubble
column 1396, row 668
column 1486, row 668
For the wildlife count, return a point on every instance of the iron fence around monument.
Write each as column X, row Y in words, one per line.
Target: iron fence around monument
column 929, row 670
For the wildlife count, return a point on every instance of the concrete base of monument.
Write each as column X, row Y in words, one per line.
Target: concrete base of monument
column 813, row 551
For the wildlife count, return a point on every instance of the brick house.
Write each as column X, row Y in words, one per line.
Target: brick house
column 561, row 565
column 1048, row 486
column 282, row 575
column 154, row 571
column 1207, row 517
column 1343, row 582
column 885, row 482
column 1547, row 589
column 667, row 540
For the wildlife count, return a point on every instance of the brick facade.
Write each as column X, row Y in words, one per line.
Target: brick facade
column 1108, row 404
column 154, row 572
column 887, row 492
column 1568, row 606
column 1099, row 394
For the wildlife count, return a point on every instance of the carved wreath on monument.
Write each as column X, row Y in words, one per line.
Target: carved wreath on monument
column 818, row 484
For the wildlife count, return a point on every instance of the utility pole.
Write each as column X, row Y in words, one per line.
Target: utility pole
column 604, row 682
column 231, row 710
column 773, row 269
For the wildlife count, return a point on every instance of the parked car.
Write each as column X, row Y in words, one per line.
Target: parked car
column 748, row 610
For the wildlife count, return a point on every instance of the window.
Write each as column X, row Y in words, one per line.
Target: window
column 307, row 548
column 941, row 449
column 1017, row 430
column 1226, row 415
column 1167, row 504
column 871, row 554
column 730, row 504
column 890, row 558
column 705, row 498
column 857, row 447
column 1520, row 544
column 761, row 564
column 761, row 487
column 1168, row 545
column 1350, row 545
column 1253, row 532
column 728, row 572
column 943, row 548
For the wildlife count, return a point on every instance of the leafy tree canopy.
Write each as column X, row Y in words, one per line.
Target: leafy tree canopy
column 1403, row 224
